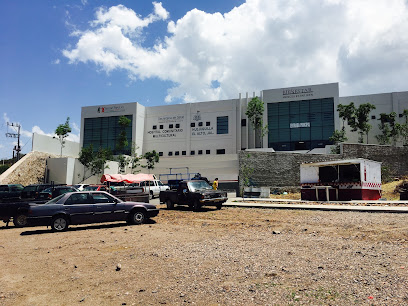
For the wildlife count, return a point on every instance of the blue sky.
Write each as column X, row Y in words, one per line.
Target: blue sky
column 57, row 56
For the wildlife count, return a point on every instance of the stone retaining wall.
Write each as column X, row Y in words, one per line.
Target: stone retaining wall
column 282, row 170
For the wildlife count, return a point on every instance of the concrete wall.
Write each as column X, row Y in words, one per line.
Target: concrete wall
column 50, row 145
column 384, row 103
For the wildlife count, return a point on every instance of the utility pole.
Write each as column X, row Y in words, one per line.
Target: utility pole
column 17, row 148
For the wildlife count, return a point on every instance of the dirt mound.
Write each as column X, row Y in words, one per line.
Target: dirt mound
column 29, row 170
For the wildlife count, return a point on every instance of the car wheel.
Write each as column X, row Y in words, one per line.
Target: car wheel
column 151, row 196
column 20, row 220
column 137, row 217
column 169, row 204
column 196, row 205
column 219, row 206
column 59, row 224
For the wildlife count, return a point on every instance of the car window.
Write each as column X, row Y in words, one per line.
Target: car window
column 4, row 188
column 47, row 190
column 30, row 188
column 102, row 189
column 102, row 198
column 78, row 198
column 55, row 200
column 160, row 183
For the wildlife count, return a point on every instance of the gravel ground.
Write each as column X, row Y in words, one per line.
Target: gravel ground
column 234, row 256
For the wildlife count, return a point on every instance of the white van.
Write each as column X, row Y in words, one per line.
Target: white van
column 153, row 187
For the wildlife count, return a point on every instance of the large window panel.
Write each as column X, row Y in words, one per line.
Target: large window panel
column 284, row 135
column 222, row 125
column 316, row 133
column 294, row 134
column 304, row 134
column 283, row 122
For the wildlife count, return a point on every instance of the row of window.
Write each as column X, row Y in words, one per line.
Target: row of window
column 192, row 152
column 222, row 125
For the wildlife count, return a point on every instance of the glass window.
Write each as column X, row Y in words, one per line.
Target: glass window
column 154, row 127
column 200, row 152
column 222, row 125
column 243, row 122
column 208, row 123
column 170, row 126
column 105, row 132
column 200, row 124
column 177, row 125
column 192, row 152
column 207, row 151
column 102, row 198
column 170, row 153
column 220, row 151
column 161, row 126
column 160, row 153
column 183, row 153
column 177, row 153
column 192, row 124
column 79, row 198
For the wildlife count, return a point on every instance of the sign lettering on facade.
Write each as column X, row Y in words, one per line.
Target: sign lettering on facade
column 176, row 118
column 297, row 93
column 111, row 109
column 300, row 125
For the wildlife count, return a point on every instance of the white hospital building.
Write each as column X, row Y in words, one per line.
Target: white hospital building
column 207, row 136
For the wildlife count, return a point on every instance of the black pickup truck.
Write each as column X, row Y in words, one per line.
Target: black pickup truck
column 16, row 211
column 195, row 194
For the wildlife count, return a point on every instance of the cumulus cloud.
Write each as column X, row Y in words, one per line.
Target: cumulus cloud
column 260, row 44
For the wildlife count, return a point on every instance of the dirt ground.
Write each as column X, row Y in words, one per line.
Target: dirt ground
column 233, row 256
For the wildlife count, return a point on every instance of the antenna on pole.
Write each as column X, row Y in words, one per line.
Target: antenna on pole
column 16, row 148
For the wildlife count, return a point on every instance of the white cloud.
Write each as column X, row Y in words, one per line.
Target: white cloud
column 258, row 45
column 57, row 61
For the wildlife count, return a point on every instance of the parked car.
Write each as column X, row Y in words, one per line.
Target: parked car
column 88, row 207
column 31, row 192
column 153, row 187
column 96, row 188
column 195, row 194
column 52, row 192
column 81, row 187
column 10, row 192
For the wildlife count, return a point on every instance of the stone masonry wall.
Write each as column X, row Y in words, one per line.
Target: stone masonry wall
column 282, row 170
column 395, row 159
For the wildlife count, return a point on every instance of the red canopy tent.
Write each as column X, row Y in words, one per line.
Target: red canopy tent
column 128, row 178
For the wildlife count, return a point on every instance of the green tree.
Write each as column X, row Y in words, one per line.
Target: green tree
column 361, row 124
column 255, row 110
column 389, row 129
column 62, row 131
column 403, row 128
column 95, row 160
column 151, row 159
column 347, row 114
column 356, row 118
column 134, row 160
column 122, row 143
column 337, row 138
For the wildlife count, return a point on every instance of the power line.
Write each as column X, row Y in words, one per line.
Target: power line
column 16, row 148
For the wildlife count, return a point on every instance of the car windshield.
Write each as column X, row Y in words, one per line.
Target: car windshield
column 47, row 190
column 30, row 188
column 91, row 188
column 55, row 200
column 198, row 185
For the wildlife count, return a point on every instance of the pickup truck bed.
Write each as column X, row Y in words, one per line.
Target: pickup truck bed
column 16, row 211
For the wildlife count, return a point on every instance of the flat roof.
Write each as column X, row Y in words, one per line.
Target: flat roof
column 340, row 162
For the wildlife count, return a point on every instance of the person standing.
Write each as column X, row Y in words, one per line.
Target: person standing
column 215, row 184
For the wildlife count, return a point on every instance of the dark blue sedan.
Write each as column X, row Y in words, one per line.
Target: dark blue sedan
column 88, row 207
